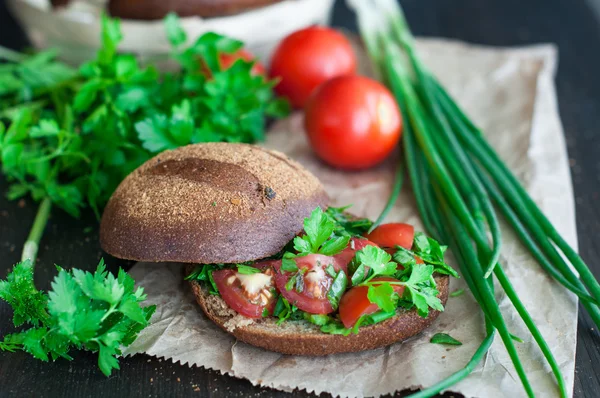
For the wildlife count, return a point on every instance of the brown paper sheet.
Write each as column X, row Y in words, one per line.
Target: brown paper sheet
column 508, row 92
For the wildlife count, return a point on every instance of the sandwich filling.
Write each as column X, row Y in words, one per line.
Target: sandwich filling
column 335, row 274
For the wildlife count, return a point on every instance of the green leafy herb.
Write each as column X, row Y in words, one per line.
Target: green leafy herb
column 283, row 310
column 443, row 338
column 246, row 269
column 359, row 274
column 372, row 319
column 422, row 290
column 337, row 289
column 94, row 311
column 291, row 283
column 317, row 319
column 203, row 272
column 457, row 293
column 429, row 250
column 335, row 327
column 265, row 313
column 288, row 263
column 348, row 225
column 69, row 136
column 330, row 270
column 384, row 296
column 318, row 237
column 377, row 259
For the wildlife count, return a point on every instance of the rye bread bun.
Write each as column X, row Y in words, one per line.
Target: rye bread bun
column 304, row 338
column 209, row 203
column 157, row 9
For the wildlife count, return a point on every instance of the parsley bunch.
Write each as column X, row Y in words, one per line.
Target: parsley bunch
column 96, row 312
column 69, row 136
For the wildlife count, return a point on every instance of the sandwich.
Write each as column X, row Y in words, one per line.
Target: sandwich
column 267, row 259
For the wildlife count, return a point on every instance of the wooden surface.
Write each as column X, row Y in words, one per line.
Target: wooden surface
column 572, row 25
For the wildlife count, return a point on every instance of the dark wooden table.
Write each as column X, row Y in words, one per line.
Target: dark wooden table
column 572, row 25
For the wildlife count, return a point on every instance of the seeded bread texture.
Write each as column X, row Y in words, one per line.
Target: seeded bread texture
column 156, row 9
column 304, row 338
column 209, row 203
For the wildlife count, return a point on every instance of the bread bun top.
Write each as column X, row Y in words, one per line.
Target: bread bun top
column 209, row 203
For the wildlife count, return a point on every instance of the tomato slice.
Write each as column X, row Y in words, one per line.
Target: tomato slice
column 345, row 256
column 316, row 283
column 250, row 294
column 355, row 303
column 393, row 234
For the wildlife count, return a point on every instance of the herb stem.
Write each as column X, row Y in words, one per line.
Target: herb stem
column 10, row 55
column 32, row 244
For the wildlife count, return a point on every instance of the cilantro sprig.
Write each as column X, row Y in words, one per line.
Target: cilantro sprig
column 96, row 311
column 68, row 136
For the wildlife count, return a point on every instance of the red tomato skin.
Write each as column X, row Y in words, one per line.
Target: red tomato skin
column 234, row 296
column 308, row 57
column 344, row 257
column 302, row 300
column 226, row 60
column 352, row 122
column 393, row 234
column 355, row 303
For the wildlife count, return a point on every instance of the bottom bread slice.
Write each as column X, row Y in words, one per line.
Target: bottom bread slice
column 304, row 338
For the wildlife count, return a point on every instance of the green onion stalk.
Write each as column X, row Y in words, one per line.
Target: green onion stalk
column 462, row 188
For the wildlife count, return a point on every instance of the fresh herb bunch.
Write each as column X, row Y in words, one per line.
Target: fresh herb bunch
column 69, row 136
column 96, row 312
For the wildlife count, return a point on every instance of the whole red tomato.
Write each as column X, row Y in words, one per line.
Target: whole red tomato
column 307, row 58
column 352, row 122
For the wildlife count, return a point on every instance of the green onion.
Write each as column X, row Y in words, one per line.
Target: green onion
column 461, row 187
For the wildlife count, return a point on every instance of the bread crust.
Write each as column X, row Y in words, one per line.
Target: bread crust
column 209, row 203
column 304, row 338
column 157, row 9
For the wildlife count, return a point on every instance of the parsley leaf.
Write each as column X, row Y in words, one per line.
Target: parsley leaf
column 443, row 338
column 203, row 272
column 288, row 263
column 246, row 269
column 429, row 250
column 284, row 310
column 318, row 237
column 377, row 259
column 175, row 32
column 346, row 224
column 97, row 312
column 28, row 303
column 422, row 293
column 384, row 296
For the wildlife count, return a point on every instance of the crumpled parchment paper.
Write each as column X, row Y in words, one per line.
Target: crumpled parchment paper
column 508, row 92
